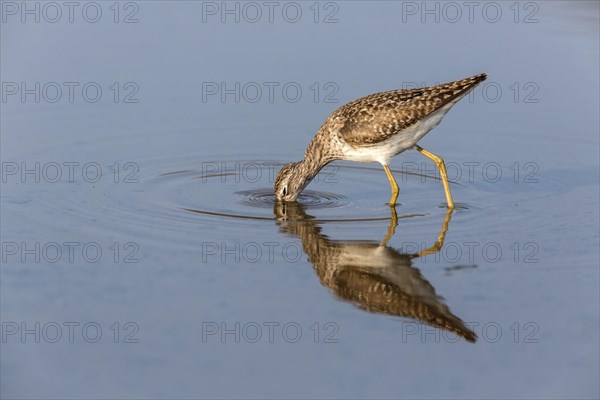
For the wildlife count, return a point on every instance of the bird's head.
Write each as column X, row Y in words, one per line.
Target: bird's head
column 290, row 181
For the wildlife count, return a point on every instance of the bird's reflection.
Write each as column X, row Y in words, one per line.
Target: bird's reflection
column 373, row 276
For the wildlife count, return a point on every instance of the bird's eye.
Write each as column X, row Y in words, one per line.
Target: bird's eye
column 285, row 190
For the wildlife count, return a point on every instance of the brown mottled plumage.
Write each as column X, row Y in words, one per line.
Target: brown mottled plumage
column 375, row 118
column 376, row 128
column 373, row 276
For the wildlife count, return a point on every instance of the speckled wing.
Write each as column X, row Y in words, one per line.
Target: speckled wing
column 374, row 118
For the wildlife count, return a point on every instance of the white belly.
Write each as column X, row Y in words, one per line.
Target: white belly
column 382, row 152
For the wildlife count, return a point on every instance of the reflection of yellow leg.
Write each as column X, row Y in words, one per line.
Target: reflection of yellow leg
column 440, row 240
column 442, row 167
column 392, row 227
column 395, row 189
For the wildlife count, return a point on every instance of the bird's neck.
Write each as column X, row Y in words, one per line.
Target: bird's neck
column 309, row 168
column 318, row 154
column 314, row 159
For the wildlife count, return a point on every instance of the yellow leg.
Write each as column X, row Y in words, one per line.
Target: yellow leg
column 440, row 240
column 392, row 227
column 442, row 167
column 395, row 189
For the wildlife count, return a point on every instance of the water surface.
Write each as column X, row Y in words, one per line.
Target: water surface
column 149, row 213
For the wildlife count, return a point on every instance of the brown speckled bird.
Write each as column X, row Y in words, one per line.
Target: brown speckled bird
column 376, row 128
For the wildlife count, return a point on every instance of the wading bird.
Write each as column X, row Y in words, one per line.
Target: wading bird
column 376, row 128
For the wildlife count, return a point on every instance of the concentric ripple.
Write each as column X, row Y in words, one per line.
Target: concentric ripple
column 173, row 195
column 265, row 198
column 243, row 190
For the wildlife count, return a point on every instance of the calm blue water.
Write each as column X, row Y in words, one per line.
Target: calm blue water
column 142, row 256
